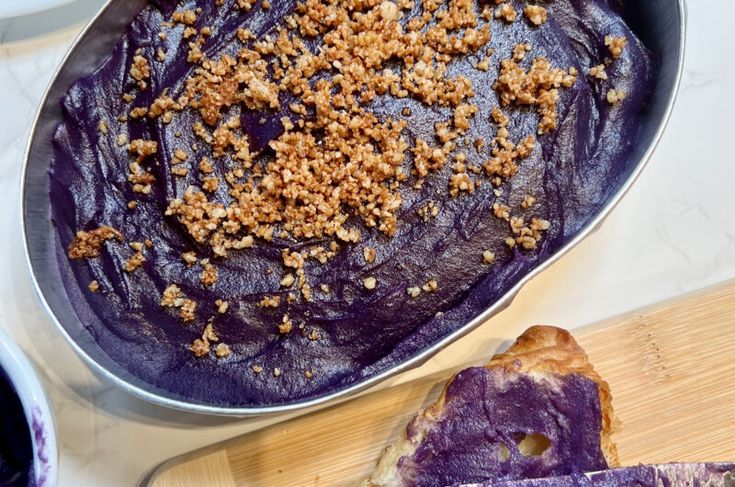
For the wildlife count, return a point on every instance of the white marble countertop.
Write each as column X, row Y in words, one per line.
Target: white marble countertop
column 673, row 233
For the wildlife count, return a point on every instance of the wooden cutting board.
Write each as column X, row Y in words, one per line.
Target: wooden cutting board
column 671, row 368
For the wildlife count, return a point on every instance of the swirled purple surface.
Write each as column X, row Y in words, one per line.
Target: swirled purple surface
column 669, row 475
column 485, row 410
column 572, row 172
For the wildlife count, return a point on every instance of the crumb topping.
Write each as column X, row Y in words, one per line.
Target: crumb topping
column 616, row 45
column 598, row 72
column 338, row 165
column 87, row 245
column 537, row 87
column 615, row 96
column 506, row 12
column 173, row 297
column 535, row 14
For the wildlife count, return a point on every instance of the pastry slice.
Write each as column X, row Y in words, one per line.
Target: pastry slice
column 537, row 410
column 672, row 474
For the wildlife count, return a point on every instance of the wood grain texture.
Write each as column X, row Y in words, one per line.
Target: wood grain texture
column 671, row 369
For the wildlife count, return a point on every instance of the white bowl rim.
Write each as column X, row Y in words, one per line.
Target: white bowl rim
column 36, row 408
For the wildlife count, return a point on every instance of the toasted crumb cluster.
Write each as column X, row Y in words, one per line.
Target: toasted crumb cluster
column 535, row 14
column 137, row 259
column 338, row 165
column 615, row 96
column 598, row 72
column 615, row 45
column 209, row 273
column 537, row 87
column 291, row 191
column 203, row 346
column 506, row 12
column 173, row 297
column 87, row 245
column 526, row 236
column 269, row 302
column 140, row 71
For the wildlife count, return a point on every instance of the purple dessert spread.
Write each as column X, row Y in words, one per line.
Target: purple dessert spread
column 371, row 304
column 668, row 475
column 16, row 447
column 486, row 416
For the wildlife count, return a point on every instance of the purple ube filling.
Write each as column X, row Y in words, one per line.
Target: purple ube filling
column 16, row 447
column 572, row 173
column 487, row 414
column 668, row 475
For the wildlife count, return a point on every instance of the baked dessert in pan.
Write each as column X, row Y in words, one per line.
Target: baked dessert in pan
column 262, row 203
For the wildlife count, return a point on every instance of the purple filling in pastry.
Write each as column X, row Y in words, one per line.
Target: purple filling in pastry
column 668, row 475
column 512, row 426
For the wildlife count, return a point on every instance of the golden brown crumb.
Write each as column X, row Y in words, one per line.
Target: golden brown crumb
column 308, row 374
column 209, row 274
column 285, row 326
column 200, row 347
column 102, row 127
column 598, row 72
column 269, row 302
column 615, row 96
column 173, row 297
column 87, row 244
column 501, row 211
column 134, row 262
column 484, row 64
column 616, row 45
column 288, row 280
column 428, row 211
column 222, row 306
column 520, row 50
column 222, row 350
column 179, row 171
column 94, row 286
column 430, row 286
column 413, row 291
column 527, row 236
column 528, row 202
column 187, row 17
column 370, row 283
column 276, row 372
column 189, row 258
column 539, row 87
column 488, row 257
column 122, row 139
column 536, row 14
column 257, row 369
column 140, row 70
column 506, row 12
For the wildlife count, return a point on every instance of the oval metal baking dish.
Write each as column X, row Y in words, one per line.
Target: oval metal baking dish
column 659, row 23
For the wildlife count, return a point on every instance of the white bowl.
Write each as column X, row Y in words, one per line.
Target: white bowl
column 16, row 8
column 37, row 411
